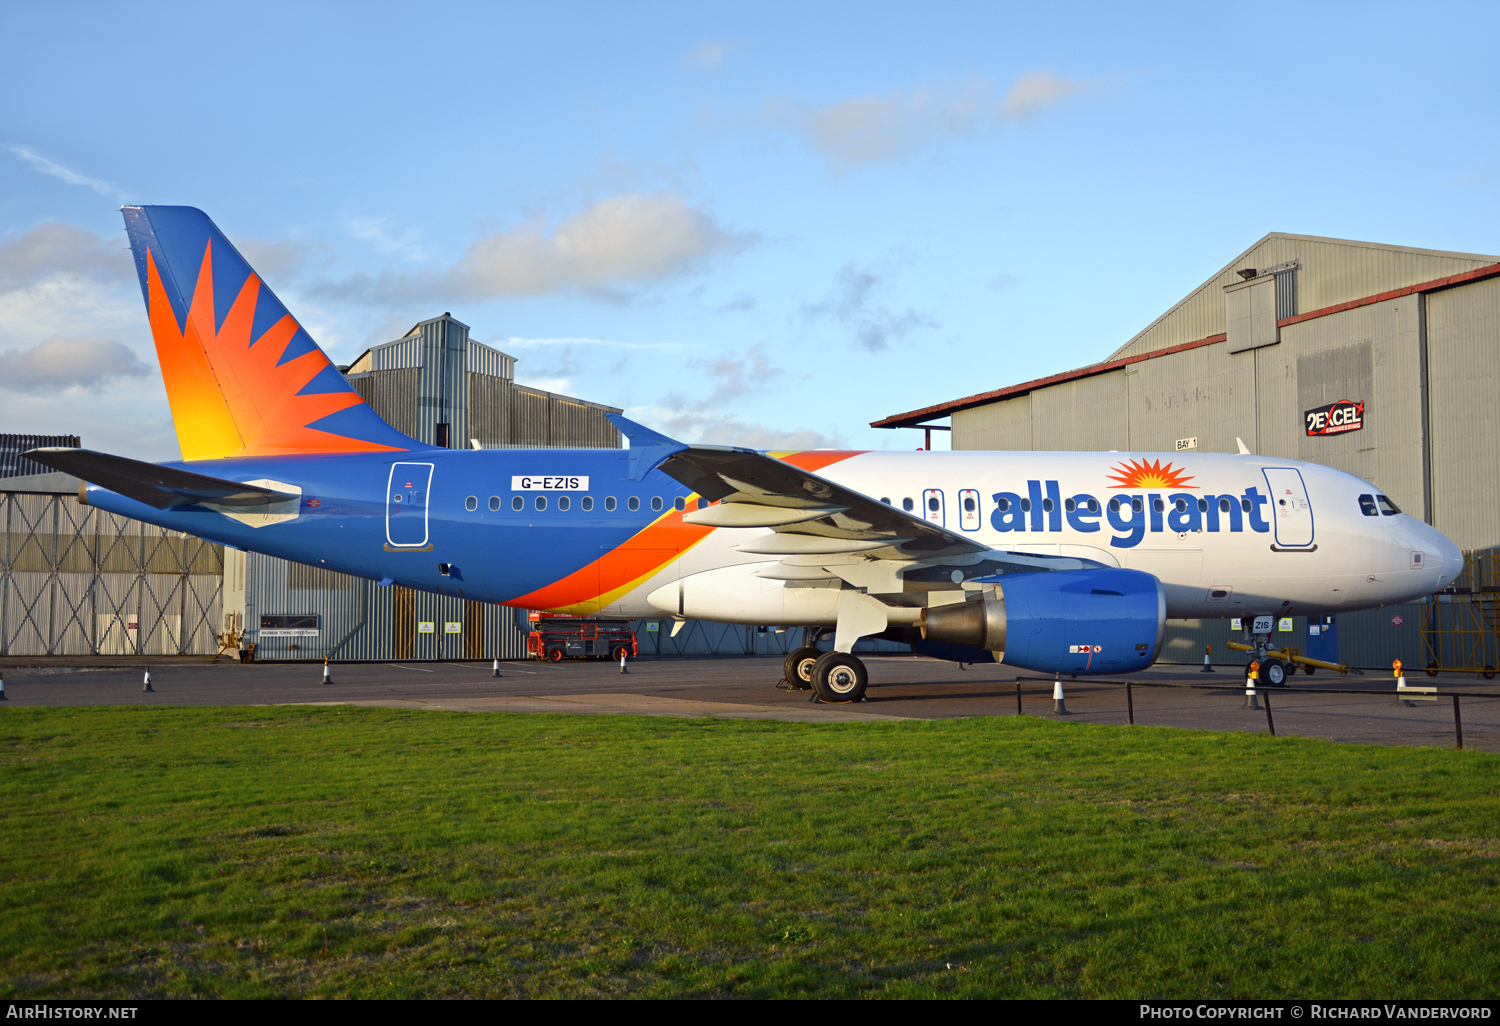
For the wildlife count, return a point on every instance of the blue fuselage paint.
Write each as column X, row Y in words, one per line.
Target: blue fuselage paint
column 492, row 555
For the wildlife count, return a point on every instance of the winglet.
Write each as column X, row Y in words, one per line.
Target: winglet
column 647, row 448
column 1241, row 443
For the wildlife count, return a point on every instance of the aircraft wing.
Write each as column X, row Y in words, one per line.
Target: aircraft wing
column 810, row 515
column 161, row 487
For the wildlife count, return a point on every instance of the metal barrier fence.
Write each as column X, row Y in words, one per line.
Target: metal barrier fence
column 1264, row 694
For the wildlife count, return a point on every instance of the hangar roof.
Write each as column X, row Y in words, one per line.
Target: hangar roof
column 1332, row 274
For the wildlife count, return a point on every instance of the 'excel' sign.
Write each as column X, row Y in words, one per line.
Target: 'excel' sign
column 1335, row 418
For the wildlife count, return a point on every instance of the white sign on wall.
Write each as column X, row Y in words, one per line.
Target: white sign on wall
column 1187, row 443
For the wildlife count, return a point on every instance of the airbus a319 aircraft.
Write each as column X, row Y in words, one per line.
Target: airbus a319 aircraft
column 1054, row 562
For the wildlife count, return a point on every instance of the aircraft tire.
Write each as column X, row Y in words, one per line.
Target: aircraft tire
column 838, row 677
column 1273, row 672
column 798, row 668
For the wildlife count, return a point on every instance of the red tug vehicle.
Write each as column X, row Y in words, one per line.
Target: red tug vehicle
column 556, row 636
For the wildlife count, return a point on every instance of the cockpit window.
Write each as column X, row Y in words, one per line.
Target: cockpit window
column 1387, row 506
column 1367, row 506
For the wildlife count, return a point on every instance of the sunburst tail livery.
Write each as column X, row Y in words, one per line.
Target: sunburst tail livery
column 1054, row 562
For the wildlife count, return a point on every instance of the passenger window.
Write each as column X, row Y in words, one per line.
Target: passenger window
column 1093, row 505
column 471, row 503
column 609, row 503
column 517, row 503
column 1002, row 504
column 1367, row 506
column 679, row 503
column 1047, row 505
column 907, row 505
column 1181, row 505
column 541, row 502
column 1387, row 506
column 656, row 503
column 1202, row 505
column 933, row 504
column 494, row 502
column 1245, row 505
column 1025, row 505
column 885, row 499
column 1135, row 504
column 587, row 502
column 634, row 502
column 1157, row 505
column 969, row 504
column 1114, row 505
column 1224, row 504
column 563, row 502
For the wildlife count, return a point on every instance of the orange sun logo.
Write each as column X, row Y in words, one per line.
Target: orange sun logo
column 1140, row 474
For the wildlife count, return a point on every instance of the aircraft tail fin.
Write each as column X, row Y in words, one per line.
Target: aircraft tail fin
column 243, row 377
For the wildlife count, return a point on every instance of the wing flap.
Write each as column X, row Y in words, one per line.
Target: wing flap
column 767, row 490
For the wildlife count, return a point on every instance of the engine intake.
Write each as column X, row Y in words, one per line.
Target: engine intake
column 1066, row 621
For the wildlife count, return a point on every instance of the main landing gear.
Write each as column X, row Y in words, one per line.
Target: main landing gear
column 832, row 676
column 798, row 668
column 837, row 677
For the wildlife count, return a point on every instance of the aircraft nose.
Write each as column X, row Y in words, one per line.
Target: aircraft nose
column 1447, row 557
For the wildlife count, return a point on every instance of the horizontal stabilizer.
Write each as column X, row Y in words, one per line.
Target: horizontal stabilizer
column 161, row 487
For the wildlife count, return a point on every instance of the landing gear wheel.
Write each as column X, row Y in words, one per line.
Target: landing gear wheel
column 1273, row 672
column 554, row 654
column 798, row 668
column 837, row 677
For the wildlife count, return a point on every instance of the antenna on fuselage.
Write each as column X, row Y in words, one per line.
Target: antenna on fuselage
column 1243, row 450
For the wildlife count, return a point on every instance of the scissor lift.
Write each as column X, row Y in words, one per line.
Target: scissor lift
column 1461, row 632
column 554, row 637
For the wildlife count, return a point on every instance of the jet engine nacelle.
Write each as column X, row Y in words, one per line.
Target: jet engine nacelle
column 1063, row 621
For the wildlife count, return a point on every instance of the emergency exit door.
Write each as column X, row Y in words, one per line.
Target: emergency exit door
column 1290, row 511
column 406, row 505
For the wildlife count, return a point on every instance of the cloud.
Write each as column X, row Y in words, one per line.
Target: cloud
column 741, row 303
column 715, row 419
column 61, row 363
column 559, row 386
column 707, row 57
column 872, row 129
column 632, row 240
column 875, row 327
column 552, row 343
column 68, row 175
column 275, row 262
column 383, row 234
column 63, row 249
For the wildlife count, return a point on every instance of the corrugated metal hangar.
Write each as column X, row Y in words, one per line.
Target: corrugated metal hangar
column 1294, row 336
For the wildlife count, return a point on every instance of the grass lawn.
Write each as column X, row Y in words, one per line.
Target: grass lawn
column 243, row 852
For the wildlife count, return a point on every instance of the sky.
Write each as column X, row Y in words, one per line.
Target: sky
column 756, row 224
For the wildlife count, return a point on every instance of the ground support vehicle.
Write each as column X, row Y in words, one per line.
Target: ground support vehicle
column 555, row 638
